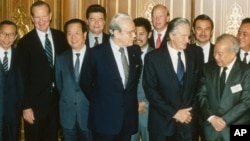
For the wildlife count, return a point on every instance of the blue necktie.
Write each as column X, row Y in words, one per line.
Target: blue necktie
column 77, row 65
column 48, row 50
column 180, row 69
column 5, row 61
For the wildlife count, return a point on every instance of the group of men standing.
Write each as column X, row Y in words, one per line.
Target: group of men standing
column 133, row 83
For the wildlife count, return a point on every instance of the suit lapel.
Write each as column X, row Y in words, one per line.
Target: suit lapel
column 108, row 54
column 69, row 61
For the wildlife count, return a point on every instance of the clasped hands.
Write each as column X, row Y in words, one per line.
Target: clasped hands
column 142, row 108
column 183, row 115
column 218, row 123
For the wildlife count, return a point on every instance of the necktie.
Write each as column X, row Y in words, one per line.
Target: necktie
column 48, row 50
column 158, row 41
column 222, row 79
column 96, row 41
column 245, row 57
column 5, row 61
column 125, row 65
column 77, row 65
column 180, row 69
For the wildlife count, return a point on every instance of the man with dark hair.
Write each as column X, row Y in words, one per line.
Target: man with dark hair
column 37, row 52
column 244, row 37
column 11, row 98
column 96, row 19
column 170, row 79
column 203, row 31
column 143, row 33
column 73, row 103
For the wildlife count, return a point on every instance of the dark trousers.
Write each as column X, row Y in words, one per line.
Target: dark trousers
column 11, row 131
column 105, row 137
column 43, row 129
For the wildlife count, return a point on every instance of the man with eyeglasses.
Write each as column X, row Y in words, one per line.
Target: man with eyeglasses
column 11, row 100
column 37, row 52
column 111, row 83
column 244, row 37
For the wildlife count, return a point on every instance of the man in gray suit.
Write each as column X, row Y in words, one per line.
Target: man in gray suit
column 143, row 33
column 224, row 94
column 73, row 104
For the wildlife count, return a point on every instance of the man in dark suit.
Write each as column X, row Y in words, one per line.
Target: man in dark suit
column 170, row 81
column 224, row 94
column 96, row 17
column 36, row 53
column 73, row 103
column 12, row 99
column 244, row 37
column 143, row 33
column 160, row 18
column 114, row 72
column 203, row 31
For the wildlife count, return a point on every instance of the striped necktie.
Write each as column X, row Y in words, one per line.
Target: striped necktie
column 48, row 50
column 5, row 61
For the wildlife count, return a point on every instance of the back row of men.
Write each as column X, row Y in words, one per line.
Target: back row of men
column 110, row 92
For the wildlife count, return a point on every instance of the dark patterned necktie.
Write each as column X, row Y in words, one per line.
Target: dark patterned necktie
column 48, row 50
column 222, row 80
column 125, row 65
column 77, row 66
column 245, row 57
column 180, row 69
column 5, row 61
column 96, row 41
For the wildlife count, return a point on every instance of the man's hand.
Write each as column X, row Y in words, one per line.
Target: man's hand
column 28, row 115
column 142, row 107
column 218, row 123
column 183, row 115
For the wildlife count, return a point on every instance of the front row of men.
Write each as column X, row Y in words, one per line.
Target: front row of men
column 98, row 91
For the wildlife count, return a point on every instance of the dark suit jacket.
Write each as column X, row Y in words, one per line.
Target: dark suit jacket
column 211, row 53
column 233, row 107
column 12, row 97
column 113, row 108
column 36, row 74
column 1, row 98
column 73, row 104
column 151, row 41
column 105, row 38
column 164, row 92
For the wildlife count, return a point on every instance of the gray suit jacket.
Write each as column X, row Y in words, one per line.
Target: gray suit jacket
column 234, row 103
column 73, row 104
column 143, row 117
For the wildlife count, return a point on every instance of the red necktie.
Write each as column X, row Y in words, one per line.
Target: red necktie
column 158, row 41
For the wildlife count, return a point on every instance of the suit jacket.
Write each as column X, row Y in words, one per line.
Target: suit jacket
column 112, row 108
column 232, row 106
column 164, row 92
column 143, row 117
column 73, row 104
column 152, row 43
column 1, row 98
column 36, row 74
column 12, row 97
column 211, row 53
column 105, row 38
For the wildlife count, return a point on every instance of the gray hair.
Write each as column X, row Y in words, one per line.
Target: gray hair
column 116, row 22
column 172, row 26
column 231, row 39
